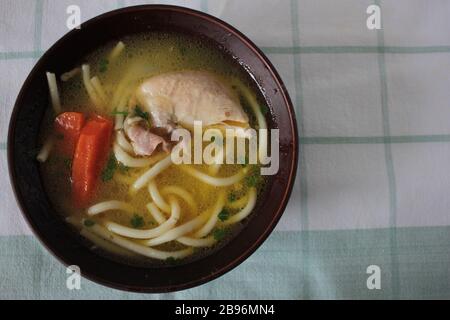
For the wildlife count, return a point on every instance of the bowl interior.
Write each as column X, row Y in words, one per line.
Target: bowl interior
column 29, row 110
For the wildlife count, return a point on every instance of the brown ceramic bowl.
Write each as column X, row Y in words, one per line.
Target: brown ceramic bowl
column 28, row 113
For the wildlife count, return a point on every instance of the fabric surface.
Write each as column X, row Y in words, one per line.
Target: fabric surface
column 373, row 111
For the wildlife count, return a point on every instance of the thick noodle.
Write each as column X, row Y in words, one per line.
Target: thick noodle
column 212, row 220
column 214, row 181
column 46, row 149
column 128, row 160
column 156, row 214
column 54, row 94
column 157, row 197
column 137, row 248
column 195, row 242
column 188, row 241
column 246, row 210
column 262, row 124
column 238, row 204
column 98, row 87
column 116, row 51
column 149, row 233
column 105, row 244
column 109, row 205
column 179, row 231
column 183, row 194
column 151, row 173
column 86, row 72
column 66, row 76
column 96, row 240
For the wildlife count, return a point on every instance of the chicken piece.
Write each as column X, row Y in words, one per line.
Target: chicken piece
column 187, row 96
column 143, row 141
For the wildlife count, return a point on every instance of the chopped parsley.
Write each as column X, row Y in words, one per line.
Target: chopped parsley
column 88, row 223
column 223, row 215
column 68, row 163
column 111, row 166
column 232, row 197
column 116, row 113
column 137, row 221
column 171, row 260
column 141, row 113
column 103, row 65
column 122, row 168
column 183, row 50
column 253, row 179
column 264, row 109
column 219, row 234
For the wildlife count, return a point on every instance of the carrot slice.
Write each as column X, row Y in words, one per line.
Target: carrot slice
column 68, row 126
column 90, row 156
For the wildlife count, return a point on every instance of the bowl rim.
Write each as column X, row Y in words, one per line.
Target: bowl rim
column 275, row 215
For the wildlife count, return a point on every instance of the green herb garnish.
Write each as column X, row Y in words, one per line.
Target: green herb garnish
column 219, row 234
column 68, row 163
column 223, row 215
column 171, row 260
column 140, row 113
column 254, row 177
column 88, row 223
column 183, row 50
column 196, row 249
column 264, row 109
column 116, row 113
column 137, row 221
column 252, row 181
column 103, row 65
column 232, row 197
column 111, row 166
column 122, row 168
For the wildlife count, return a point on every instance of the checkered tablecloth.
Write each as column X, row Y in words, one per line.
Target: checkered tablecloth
column 373, row 109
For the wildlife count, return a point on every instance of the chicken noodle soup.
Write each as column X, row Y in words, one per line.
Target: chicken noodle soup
column 106, row 147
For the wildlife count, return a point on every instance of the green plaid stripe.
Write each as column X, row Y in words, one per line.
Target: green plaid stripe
column 304, row 243
column 204, row 5
column 389, row 167
column 39, row 6
column 14, row 55
column 338, row 260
